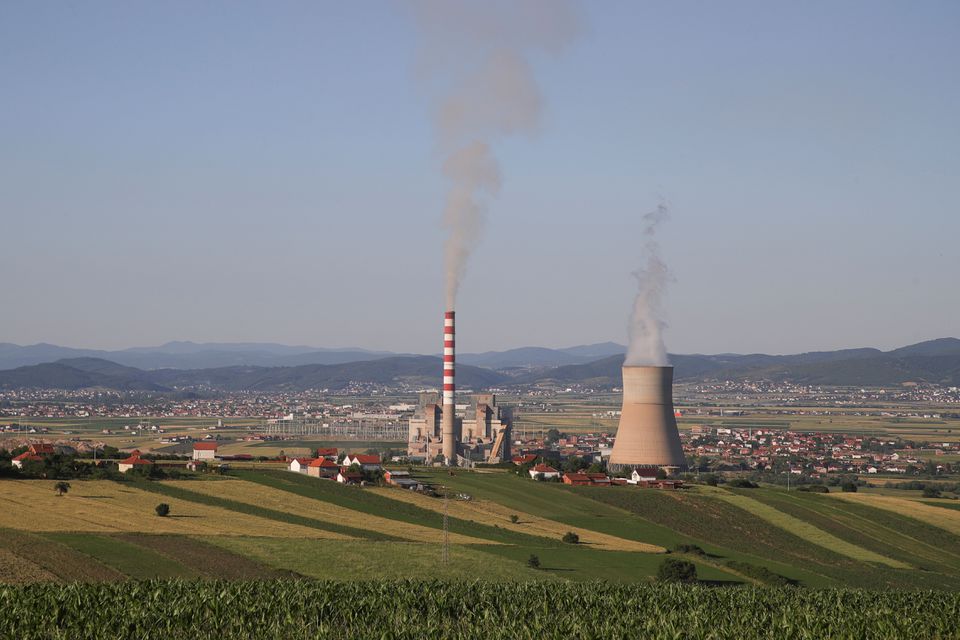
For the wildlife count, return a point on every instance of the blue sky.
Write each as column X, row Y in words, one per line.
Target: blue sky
column 232, row 171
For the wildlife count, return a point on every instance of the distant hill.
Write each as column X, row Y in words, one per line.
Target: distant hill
column 541, row 357
column 82, row 373
column 189, row 355
column 935, row 361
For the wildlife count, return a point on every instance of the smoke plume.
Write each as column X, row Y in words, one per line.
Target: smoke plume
column 646, row 321
column 475, row 60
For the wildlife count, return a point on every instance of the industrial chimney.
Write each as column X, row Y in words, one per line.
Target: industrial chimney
column 647, row 436
column 448, row 420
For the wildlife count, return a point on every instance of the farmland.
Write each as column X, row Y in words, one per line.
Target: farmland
column 174, row 610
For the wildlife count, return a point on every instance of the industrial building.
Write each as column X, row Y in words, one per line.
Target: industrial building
column 647, row 437
column 481, row 430
column 460, row 434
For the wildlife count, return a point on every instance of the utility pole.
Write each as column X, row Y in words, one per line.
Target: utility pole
column 446, row 528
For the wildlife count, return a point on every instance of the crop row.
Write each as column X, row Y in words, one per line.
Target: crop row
column 171, row 610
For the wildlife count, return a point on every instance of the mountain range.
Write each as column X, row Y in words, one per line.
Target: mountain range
column 191, row 355
column 935, row 361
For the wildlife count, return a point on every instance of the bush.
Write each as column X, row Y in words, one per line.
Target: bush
column 571, row 538
column 848, row 487
column 689, row 548
column 61, row 487
column 762, row 574
column 533, row 561
column 931, row 492
column 514, row 518
column 742, row 483
column 673, row 570
column 814, row 488
column 163, row 509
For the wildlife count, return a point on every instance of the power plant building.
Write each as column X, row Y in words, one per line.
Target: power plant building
column 647, row 437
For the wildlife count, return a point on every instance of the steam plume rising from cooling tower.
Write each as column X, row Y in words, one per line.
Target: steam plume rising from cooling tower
column 476, row 60
column 646, row 320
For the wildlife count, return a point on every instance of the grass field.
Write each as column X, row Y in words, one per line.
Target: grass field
column 263, row 523
column 259, row 494
column 103, row 506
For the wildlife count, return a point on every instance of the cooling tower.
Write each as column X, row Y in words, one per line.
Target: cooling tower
column 647, row 436
column 448, row 420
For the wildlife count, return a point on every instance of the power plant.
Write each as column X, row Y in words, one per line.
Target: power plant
column 647, row 437
column 448, row 422
column 437, row 430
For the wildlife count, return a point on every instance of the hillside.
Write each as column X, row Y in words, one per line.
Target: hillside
column 935, row 361
column 81, row 373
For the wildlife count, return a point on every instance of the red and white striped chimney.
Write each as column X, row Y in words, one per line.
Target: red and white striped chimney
column 447, row 425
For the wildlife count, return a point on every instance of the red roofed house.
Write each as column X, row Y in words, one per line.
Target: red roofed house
column 322, row 468
column 329, row 453
column 205, row 450
column 300, row 464
column 132, row 462
column 544, row 472
column 42, row 449
column 598, row 478
column 524, row 459
column 349, row 477
column 26, row 456
column 576, row 478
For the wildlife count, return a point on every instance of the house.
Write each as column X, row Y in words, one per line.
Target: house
column 42, row 449
column 204, row 450
column 322, row 468
column 578, row 479
column 528, row 458
column 544, row 472
column 638, row 478
column 299, row 465
column 328, row 453
column 349, row 477
column 598, row 478
column 366, row 462
column 134, row 461
column 26, row 456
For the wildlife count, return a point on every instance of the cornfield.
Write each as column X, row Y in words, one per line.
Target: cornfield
column 272, row 609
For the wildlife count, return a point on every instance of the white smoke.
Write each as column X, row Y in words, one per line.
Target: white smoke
column 476, row 56
column 646, row 320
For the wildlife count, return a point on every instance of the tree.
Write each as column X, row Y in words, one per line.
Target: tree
column 533, row 561
column 931, row 491
column 552, row 436
column 674, row 570
column 162, row 509
column 514, row 518
column 61, row 487
column 849, row 487
column 571, row 538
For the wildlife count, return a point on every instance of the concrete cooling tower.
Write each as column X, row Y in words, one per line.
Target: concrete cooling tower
column 647, row 437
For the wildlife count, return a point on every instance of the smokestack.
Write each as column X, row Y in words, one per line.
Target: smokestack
column 447, row 424
column 647, row 436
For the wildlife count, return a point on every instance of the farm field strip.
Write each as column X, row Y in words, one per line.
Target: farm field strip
column 210, row 560
column 362, row 500
column 253, row 493
column 346, row 559
column 806, row 530
column 946, row 519
column 102, row 507
column 139, row 563
column 491, row 513
column 17, row 570
column 881, row 531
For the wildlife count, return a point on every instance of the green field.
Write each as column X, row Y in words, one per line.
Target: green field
column 452, row 610
column 263, row 523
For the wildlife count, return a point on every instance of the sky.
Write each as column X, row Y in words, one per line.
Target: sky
column 268, row 171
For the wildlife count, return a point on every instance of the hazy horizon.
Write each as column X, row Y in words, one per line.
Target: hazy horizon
column 269, row 173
